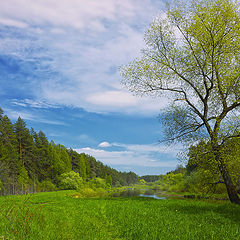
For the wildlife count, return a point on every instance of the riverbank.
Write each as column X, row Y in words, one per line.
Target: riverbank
column 62, row 215
column 187, row 195
column 137, row 190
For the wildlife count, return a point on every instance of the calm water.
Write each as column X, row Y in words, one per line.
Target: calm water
column 136, row 192
column 152, row 196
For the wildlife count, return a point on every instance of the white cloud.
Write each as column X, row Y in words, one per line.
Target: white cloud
column 158, row 148
column 126, row 103
column 80, row 42
column 12, row 23
column 33, row 103
column 112, row 99
column 70, row 13
column 47, row 121
column 15, row 114
column 12, row 114
column 57, row 31
column 104, row 145
column 135, row 155
column 126, row 158
column 18, row 103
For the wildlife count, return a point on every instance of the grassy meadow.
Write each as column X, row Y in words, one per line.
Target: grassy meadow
column 64, row 215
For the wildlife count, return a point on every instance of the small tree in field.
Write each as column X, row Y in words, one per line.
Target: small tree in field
column 192, row 56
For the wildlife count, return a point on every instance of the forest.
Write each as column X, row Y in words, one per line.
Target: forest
column 30, row 163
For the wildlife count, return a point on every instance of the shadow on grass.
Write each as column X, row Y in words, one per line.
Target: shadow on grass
column 225, row 210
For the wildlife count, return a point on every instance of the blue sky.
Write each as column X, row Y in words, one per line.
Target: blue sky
column 59, row 71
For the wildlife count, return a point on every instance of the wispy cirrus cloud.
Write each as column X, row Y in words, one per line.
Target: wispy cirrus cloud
column 33, row 103
column 27, row 115
column 15, row 114
column 76, row 14
column 12, row 23
column 74, row 49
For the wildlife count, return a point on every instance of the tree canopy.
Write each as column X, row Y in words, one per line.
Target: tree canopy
column 192, row 57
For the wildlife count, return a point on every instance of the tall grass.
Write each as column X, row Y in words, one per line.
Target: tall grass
column 62, row 215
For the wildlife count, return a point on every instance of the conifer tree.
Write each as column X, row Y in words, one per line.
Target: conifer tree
column 8, row 155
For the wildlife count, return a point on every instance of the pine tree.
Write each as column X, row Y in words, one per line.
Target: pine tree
column 109, row 180
column 61, row 160
column 82, row 166
column 9, row 164
column 43, row 156
column 25, row 143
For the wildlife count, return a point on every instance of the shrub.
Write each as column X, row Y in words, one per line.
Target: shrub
column 98, row 182
column 70, row 180
column 47, row 186
column 87, row 192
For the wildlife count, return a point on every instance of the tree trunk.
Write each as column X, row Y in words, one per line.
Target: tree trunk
column 231, row 188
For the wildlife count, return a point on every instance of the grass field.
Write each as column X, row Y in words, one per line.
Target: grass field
column 59, row 215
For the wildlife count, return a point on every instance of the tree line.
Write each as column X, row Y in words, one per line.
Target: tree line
column 200, row 175
column 31, row 163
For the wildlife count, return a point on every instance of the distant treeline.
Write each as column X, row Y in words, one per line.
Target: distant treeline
column 29, row 162
column 151, row 178
column 196, row 178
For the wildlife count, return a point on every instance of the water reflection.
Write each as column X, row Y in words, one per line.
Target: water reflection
column 136, row 192
column 152, row 196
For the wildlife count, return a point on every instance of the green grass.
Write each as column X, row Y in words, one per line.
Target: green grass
column 58, row 215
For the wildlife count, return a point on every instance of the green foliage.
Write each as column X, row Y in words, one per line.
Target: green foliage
column 109, row 181
column 29, row 163
column 82, row 166
column 203, row 167
column 9, row 162
column 24, row 142
column 47, row 186
column 142, row 181
column 98, row 183
column 151, row 178
column 23, row 178
column 172, row 182
column 70, row 180
column 1, row 185
column 87, row 192
column 62, row 161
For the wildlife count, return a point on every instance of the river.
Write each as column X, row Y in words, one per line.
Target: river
column 151, row 196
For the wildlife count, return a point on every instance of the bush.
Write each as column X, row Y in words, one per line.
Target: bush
column 97, row 183
column 47, row 186
column 87, row 192
column 70, row 180
column 142, row 181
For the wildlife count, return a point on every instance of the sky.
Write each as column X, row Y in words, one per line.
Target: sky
column 59, row 65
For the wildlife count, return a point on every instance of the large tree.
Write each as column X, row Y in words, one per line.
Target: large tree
column 192, row 56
